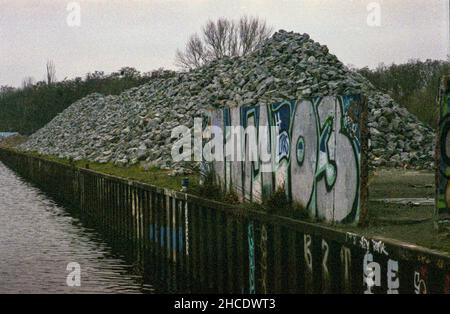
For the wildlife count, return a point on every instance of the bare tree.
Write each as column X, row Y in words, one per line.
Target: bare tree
column 194, row 55
column 223, row 38
column 51, row 72
column 220, row 39
column 252, row 32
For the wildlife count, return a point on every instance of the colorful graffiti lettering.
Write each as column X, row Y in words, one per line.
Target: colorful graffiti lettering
column 315, row 154
column 251, row 258
column 443, row 155
column 326, row 281
column 346, row 268
column 161, row 237
column 263, row 265
column 280, row 115
column 420, row 281
column 307, row 244
column 251, row 178
column 372, row 275
column 393, row 280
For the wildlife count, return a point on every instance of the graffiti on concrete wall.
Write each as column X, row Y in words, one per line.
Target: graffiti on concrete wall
column 163, row 234
column 326, row 280
column 263, row 259
column 443, row 155
column 346, row 266
column 354, row 264
column 251, row 258
column 307, row 250
column 310, row 148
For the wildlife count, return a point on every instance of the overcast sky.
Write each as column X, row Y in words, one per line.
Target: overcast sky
column 146, row 33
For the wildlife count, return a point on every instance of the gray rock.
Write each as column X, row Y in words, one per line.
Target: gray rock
column 136, row 125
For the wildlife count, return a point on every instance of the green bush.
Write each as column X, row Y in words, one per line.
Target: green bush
column 413, row 85
column 29, row 108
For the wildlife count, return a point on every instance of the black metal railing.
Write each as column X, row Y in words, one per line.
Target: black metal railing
column 196, row 245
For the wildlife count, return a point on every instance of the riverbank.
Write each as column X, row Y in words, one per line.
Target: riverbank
column 226, row 248
column 153, row 176
column 12, row 141
column 401, row 201
column 42, row 243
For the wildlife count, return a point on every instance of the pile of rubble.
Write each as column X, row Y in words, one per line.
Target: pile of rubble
column 135, row 126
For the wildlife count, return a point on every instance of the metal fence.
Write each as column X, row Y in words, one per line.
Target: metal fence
column 197, row 245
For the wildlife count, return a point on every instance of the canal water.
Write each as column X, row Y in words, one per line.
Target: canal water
column 38, row 239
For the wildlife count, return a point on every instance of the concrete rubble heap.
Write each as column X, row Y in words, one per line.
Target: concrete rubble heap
column 135, row 126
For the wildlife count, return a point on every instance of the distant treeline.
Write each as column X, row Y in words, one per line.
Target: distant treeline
column 413, row 85
column 26, row 109
column 30, row 107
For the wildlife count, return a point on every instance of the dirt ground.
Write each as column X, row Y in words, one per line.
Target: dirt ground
column 13, row 141
column 401, row 207
column 401, row 195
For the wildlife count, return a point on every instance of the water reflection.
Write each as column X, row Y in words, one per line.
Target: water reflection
column 38, row 238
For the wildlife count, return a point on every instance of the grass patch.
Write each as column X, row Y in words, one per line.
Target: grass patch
column 278, row 203
column 151, row 176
